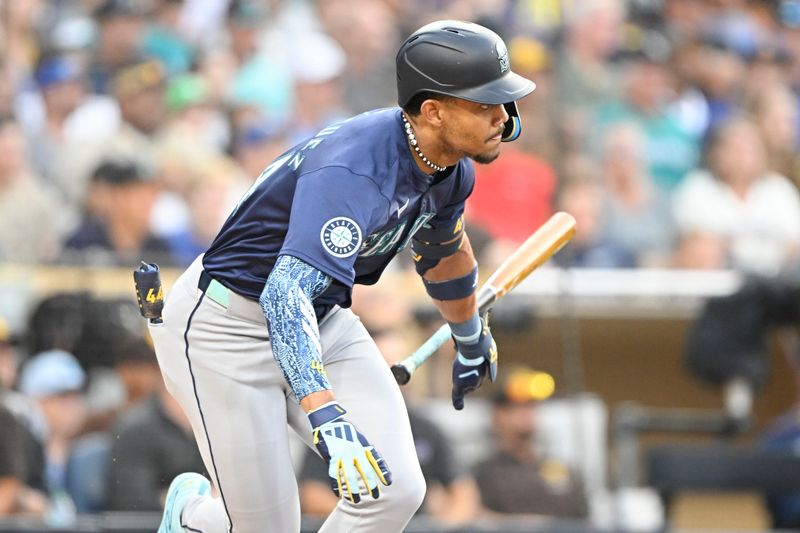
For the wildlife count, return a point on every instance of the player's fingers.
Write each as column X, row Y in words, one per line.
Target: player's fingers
column 458, row 402
column 368, row 477
column 458, row 397
column 380, row 466
column 351, row 477
column 336, row 486
column 492, row 362
column 349, row 482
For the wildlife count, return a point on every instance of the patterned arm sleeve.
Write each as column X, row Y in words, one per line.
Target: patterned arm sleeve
column 286, row 301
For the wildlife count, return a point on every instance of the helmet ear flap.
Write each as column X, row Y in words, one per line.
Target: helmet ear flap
column 513, row 126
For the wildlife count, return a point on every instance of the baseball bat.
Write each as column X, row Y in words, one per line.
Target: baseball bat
column 535, row 251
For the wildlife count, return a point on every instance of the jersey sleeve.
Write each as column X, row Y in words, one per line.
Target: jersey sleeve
column 293, row 330
column 333, row 210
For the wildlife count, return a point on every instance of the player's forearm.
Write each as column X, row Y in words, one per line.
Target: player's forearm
column 293, row 330
column 456, row 311
column 455, row 266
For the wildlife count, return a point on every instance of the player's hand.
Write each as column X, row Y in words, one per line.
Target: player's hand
column 472, row 364
column 355, row 467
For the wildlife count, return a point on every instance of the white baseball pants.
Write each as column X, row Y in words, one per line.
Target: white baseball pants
column 217, row 362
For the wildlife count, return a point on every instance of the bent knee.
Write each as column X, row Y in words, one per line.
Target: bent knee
column 407, row 491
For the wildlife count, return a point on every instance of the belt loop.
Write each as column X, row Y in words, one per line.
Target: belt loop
column 205, row 281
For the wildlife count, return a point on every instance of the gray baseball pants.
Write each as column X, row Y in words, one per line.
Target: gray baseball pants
column 217, row 362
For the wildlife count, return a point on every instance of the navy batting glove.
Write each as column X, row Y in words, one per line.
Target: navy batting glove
column 355, row 467
column 473, row 362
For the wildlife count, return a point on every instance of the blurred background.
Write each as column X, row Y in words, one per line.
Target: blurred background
column 650, row 373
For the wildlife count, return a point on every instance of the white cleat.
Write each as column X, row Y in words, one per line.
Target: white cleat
column 180, row 490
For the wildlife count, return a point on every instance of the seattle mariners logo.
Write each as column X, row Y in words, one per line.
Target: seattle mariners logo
column 502, row 55
column 341, row 236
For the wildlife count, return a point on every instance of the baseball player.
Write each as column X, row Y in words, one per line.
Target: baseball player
column 257, row 334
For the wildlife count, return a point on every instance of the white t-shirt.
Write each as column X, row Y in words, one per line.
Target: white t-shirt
column 762, row 228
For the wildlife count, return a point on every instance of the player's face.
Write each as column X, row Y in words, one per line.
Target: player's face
column 474, row 130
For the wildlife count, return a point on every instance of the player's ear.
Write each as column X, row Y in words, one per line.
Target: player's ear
column 432, row 111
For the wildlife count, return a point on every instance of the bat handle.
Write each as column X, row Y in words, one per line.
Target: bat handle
column 402, row 371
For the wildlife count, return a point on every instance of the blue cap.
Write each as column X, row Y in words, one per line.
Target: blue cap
column 50, row 373
column 259, row 132
column 55, row 70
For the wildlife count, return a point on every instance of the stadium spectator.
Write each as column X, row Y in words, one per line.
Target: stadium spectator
column 591, row 34
column 669, row 150
column 152, row 443
column 581, row 196
column 261, row 80
column 210, row 194
column 721, row 74
column 533, row 58
column 318, row 95
column 193, row 137
column 516, row 479
column 136, row 366
column 736, row 198
column 164, row 39
column 120, row 33
column 257, row 142
column 22, row 488
column 139, row 86
column 512, row 197
column 636, row 213
column 192, row 117
column 70, row 117
column 776, row 112
column 116, row 227
column 23, row 491
column 55, row 380
column 367, row 32
column 30, row 226
column 21, row 23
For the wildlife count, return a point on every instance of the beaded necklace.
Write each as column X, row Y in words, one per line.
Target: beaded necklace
column 412, row 139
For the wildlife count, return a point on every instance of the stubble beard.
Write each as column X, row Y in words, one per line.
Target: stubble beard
column 485, row 158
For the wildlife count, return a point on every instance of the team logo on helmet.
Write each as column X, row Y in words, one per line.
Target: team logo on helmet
column 502, row 55
column 341, row 236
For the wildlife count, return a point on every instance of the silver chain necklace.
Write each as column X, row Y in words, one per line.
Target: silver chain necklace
column 412, row 139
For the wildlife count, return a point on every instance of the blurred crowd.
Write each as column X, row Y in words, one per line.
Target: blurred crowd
column 130, row 128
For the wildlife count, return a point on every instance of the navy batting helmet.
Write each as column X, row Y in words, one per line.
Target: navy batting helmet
column 463, row 60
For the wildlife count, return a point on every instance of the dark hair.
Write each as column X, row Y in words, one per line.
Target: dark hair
column 412, row 108
column 134, row 350
column 118, row 172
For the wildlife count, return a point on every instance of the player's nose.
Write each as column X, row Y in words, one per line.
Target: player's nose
column 501, row 114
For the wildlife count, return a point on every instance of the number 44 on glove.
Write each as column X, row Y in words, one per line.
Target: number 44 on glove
column 355, row 468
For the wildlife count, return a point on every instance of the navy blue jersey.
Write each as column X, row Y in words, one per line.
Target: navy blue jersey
column 346, row 202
